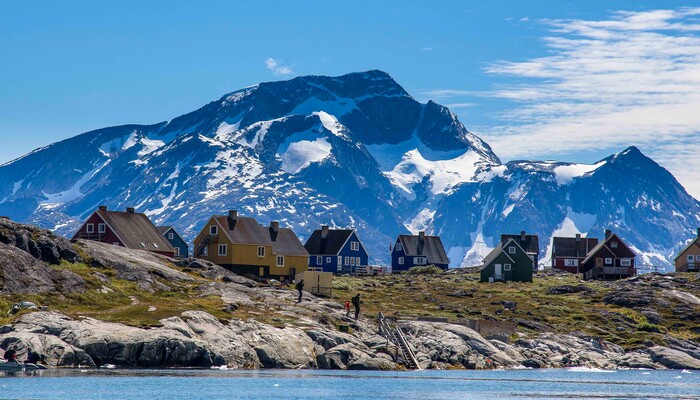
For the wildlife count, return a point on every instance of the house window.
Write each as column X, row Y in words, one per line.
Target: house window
column 690, row 258
column 400, row 260
column 599, row 261
column 570, row 262
column 328, row 260
column 177, row 251
column 205, row 251
column 354, row 246
column 261, row 251
column 171, row 236
column 340, row 261
column 280, row 261
column 398, row 247
column 222, row 250
column 511, row 250
column 347, row 260
column 352, row 260
column 90, row 228
column 213, row 230
column 613, row 245
column 101, row 228
column 357, row 260
column 608, row 261
column 506, row 267
column 340, row 266
column 319, row 260
column 420, row 260
column 625, row 262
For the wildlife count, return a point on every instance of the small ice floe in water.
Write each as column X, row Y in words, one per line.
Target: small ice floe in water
column 685, row 371
column 109, row 366
column 220, row 367
column 646, row 373
column 276, row 384
column 587, row 369
column 679, row 377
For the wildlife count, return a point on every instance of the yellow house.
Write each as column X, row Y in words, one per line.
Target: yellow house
column 688, row 260
column 245, row 247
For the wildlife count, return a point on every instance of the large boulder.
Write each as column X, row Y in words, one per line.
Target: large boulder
column 673, row 359
column 20, row 272
column 56, row 352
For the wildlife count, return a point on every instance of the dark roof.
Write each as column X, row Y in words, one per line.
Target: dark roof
column 164, row 229
column 494, row 253
column 246, row 230
column 432, row 248
column 134, row 229
column 531, row 244
column 332, row 244
column 285, row 242
column 568, row 246
column 604, row 243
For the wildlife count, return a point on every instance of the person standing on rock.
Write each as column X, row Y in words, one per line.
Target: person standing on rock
column 300, row 287
column 356, row 302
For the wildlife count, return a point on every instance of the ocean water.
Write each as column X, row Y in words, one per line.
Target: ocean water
column 313, row 384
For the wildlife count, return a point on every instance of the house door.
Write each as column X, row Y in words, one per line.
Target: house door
column 498, row 271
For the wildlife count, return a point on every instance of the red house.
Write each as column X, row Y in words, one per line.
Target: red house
column 568, row 253
column 127, row 229
column 610, row 259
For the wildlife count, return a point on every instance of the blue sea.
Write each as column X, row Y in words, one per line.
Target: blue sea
column 337, row 385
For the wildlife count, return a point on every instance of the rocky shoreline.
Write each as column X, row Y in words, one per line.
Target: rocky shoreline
column 287, row 334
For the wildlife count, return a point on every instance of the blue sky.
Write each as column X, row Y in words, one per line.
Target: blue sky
column 569, row 81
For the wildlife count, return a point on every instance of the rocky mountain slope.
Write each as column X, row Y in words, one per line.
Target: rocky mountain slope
column 350, row 151
column 130, row 308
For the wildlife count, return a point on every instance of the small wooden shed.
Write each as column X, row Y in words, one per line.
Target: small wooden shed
column 317, row 282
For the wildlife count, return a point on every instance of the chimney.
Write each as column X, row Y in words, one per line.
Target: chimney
column 522, row 236
column 699, row 232
column 421, row 241
column 324, row 231
column 578, row 237
column 275, row 226
column 102, row 208
column 130, row 210
column 608, row 232
column 233, row 214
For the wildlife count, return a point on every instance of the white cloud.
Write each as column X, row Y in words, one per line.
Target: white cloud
column 629, row 80
column 277, row 68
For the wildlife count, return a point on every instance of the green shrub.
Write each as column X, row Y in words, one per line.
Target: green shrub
column 425, row 270
column 647, row 327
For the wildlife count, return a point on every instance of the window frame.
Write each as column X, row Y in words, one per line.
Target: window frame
column 319, row 260
column 401, row 260
column 608, row 261
column 205, row 251
column 625, row 262
column 213, row 230
column 613, row 245
column 222, row 246
column 171, row 236
column 101, row 227
column 691, row 258
column 261, row 251
column 511, row 249
column 177, row 251
column 398, row 247
column 90, row 228
column 507, row 267
column 571, row 262
column 277, row 261
column 355, row 246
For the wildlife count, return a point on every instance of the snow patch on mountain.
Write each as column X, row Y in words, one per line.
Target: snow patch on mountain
column 408, row 163
column 302, row 149
column 338, row 106
column 564, row 174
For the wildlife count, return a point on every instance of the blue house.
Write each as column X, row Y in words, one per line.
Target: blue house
column 412, row 251
column 182, row 249
column 336, row 250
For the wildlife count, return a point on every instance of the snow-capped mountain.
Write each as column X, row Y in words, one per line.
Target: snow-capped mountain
column 349, row 151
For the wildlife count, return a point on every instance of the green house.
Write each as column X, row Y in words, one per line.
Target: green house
column 507, row 262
